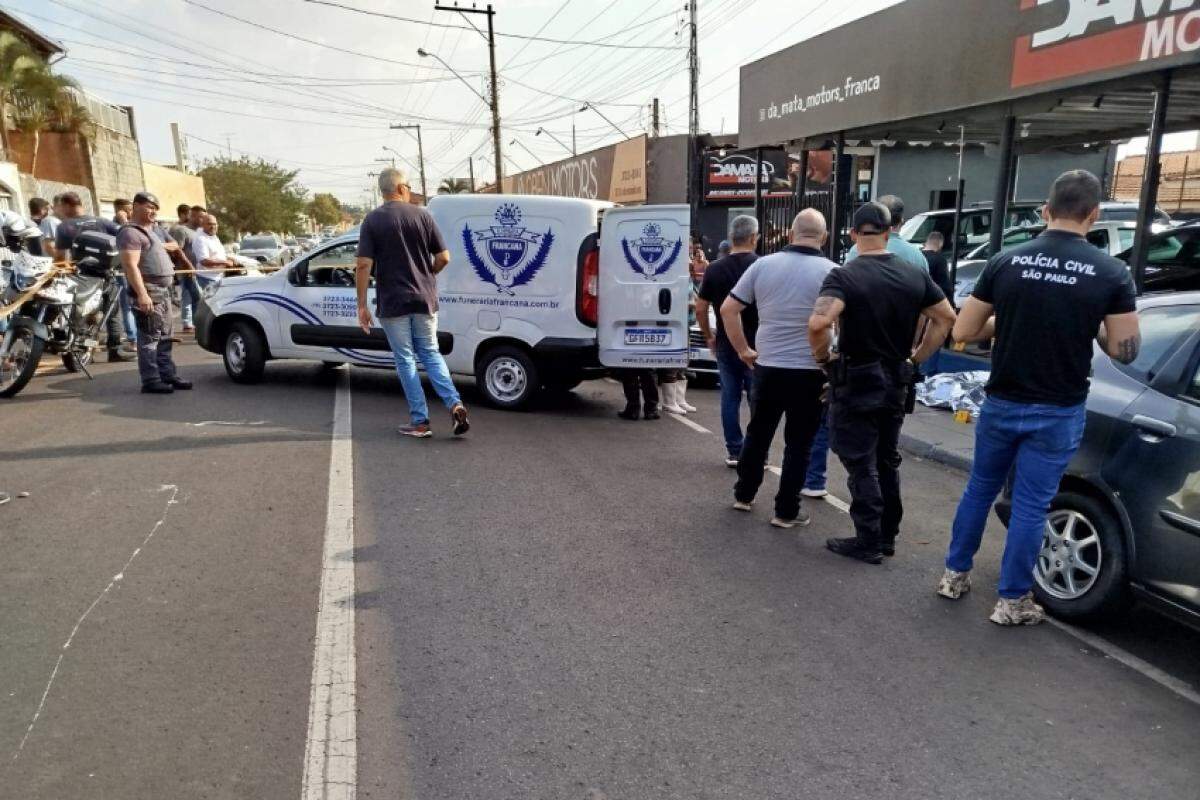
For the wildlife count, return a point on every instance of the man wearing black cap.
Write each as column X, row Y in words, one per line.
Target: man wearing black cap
column 876, row 302
column 146, row 257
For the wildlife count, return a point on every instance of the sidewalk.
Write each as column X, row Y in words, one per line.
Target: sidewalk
column 932, row 433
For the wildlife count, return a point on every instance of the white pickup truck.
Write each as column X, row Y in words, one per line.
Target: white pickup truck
column 541, row 292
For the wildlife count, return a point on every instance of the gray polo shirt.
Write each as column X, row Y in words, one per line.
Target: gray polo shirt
column 784, row 287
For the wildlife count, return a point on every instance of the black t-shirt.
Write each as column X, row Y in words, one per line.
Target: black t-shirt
column 719, row 279
column 1050, row 296
column 939, row 270
column 402, row 239
column 68, row 229
column 884, row 299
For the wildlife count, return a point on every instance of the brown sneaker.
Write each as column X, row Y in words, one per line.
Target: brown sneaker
column 1022, row 611
column 421, row 431
column 461, row 423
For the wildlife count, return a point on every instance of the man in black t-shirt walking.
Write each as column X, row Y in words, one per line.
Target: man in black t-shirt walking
column 400, row 244
column 1044, row 302
column 737, row 379
column 876, row 301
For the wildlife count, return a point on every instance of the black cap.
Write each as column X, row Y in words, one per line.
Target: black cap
column 146, row 198
column 872, row 219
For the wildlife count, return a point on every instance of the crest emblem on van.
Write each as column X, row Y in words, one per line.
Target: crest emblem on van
column 509, row 258
column 651, row 255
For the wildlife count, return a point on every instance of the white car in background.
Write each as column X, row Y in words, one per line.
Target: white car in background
column 1112, row 237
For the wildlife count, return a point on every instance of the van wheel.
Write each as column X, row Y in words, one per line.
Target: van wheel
column 507, row 377
column 1081, row 568
column 244, row 353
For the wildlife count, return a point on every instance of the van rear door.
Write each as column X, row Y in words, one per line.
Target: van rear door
column 644, row 287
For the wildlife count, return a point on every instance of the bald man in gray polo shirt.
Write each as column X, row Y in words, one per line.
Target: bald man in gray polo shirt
column 784, row 288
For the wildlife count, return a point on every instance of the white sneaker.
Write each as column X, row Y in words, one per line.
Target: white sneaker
column 802, row 519
column 954, row 584
column 731, row 462
column 738, row 505
column 1022, row 611
column 818, row 493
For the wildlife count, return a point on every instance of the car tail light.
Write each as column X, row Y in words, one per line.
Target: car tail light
column 587, row 296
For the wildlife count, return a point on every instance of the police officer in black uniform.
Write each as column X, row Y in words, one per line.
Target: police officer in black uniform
column 876, row 302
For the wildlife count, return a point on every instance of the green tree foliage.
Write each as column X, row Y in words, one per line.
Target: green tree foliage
column 454, row 186
column 325, row 209
column 251, row 195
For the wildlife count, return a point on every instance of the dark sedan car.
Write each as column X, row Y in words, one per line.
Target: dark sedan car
column 1172, row 259
column 1126, row 521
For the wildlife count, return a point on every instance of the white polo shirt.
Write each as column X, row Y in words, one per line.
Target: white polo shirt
column 207, row 246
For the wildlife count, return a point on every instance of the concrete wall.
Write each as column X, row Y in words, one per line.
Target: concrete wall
column 116, row 168
column 666, row 170
column 914, row 172
column 40, row 187
column 173, row 187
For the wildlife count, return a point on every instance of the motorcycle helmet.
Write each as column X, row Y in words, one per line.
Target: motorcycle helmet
column 17, row 230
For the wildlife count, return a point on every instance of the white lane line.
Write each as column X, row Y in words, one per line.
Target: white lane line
column 836, row 502
column 1181, row 688
column 697, row 427
column 120, row 576
column 331, row 750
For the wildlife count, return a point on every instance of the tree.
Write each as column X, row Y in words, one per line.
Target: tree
column 45, row 101
column 454, row 186
column 251, row 195
column 325, row 209
column 17, row 59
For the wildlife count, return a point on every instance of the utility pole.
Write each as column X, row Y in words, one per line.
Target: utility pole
column 471, row 172
column 495, row 104
column 654, row 119
column 420, row 156
column 693, row 111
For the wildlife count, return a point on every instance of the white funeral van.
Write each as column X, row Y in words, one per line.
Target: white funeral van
column 541, row 293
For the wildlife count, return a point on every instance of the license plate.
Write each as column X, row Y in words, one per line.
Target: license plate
column 647, row 336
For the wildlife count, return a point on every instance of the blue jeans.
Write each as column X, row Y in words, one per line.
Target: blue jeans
column 819, row 455
column 1040, row 441
column 189, row 298
column 413, row 337
column 737, row 380
column 127, row 318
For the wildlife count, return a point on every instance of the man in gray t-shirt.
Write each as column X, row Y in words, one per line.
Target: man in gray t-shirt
column 783, row 287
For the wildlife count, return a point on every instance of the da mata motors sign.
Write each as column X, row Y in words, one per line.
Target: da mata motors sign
column 987, row 51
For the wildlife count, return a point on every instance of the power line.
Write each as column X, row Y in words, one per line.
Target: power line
column 463, row 27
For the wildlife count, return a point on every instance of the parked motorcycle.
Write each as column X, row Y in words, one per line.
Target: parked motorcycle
column 65, row 315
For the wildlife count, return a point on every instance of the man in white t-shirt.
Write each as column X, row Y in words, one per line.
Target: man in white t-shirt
column 208, row 254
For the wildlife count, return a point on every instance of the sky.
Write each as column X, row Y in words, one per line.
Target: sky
column 318, row 93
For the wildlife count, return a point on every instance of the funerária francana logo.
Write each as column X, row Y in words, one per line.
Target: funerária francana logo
column 509, row 258
column 651, row 255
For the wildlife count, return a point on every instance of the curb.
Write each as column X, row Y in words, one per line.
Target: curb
column 933, row 452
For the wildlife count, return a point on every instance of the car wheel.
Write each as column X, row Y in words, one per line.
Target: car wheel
column 244, row 353
column 1081, row 569
column 507, row 377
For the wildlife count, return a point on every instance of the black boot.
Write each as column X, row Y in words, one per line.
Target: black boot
column 853, row 548
column 629, row 412
column 117, row 355
column 157, row 387
column 652, row 412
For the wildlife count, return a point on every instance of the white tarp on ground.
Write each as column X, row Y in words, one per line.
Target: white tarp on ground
column 956, row 391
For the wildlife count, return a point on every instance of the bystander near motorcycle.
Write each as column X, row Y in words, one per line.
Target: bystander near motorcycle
column 61, row 312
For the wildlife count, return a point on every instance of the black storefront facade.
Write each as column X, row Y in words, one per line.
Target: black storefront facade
column 1013, row 78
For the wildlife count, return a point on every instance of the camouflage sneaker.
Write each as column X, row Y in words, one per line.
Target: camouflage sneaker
column 954, row 584
column 1022, row 611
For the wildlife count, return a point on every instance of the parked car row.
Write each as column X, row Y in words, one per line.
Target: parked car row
column 1172, row 258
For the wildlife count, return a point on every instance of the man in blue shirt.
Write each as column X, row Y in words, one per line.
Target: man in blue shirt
column 906, row 252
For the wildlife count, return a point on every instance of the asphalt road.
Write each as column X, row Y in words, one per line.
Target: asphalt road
column 560, row 605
